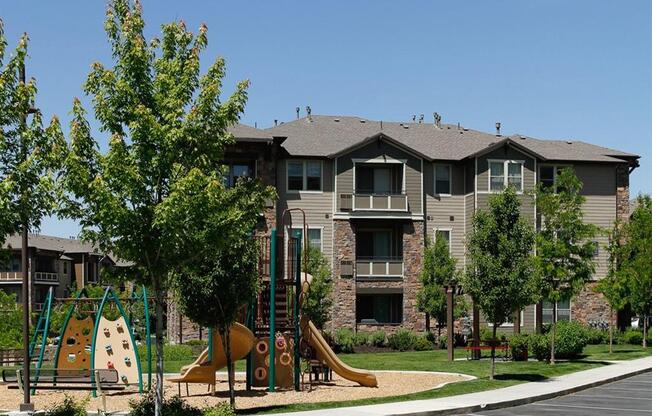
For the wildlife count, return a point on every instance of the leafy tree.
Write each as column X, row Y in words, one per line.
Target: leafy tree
column 614, row 286
column 29, row 153
column 11, row 321
column 167, row 129
column 502, row 277
column 637, row 263
column 565, row 250
column 439, row 269
column 319, row 301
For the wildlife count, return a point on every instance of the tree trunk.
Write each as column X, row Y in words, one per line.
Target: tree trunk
column 611, row 330
column 645, row 318
column 158, row 293
column 226, row 344
column 493, row 353
column 517, row 322
column 553, row 332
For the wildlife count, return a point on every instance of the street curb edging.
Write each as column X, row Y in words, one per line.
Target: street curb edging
column 522, row 401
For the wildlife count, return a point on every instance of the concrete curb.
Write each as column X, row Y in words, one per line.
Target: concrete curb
column 525, row 400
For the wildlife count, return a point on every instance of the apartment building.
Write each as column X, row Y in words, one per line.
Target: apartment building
column 53, row 262
column 374, row 192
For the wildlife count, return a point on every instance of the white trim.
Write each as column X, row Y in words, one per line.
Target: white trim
column 570, row 310
column 346, row 216
column 511, row 324
column 335, row 195
column 450, row 179
column 450, row 237
column 305, row 177
column 380, row 159
column 307, row 238
column 505, row 163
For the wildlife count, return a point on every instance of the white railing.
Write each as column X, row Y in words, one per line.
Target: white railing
column 380, row 202
column 46, row 277
column 11, row 275
column 379, row 267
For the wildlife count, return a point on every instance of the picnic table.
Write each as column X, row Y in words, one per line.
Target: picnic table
column 501, row 346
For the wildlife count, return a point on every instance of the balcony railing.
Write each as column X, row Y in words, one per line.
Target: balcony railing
column 374, row 202
column 47, row 277
column 379, row 267
column 11, row 276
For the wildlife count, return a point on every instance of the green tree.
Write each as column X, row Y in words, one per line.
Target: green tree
column 614, row 286
column 319, row 301
column 439, row 269
column 565, row 251
column 502, row 277
column 637, row 263
column 167, row 129
column 11, row 322
column 29, row 153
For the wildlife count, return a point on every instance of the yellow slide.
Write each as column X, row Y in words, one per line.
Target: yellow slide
column 326, row 354
column 203, row 371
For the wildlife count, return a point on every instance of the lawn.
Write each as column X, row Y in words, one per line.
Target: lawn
column 507, row 373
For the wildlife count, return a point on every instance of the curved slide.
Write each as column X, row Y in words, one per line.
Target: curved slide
column 325, row 353
column 203, row 371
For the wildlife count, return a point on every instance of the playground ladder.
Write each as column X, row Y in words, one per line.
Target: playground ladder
column 42, row 327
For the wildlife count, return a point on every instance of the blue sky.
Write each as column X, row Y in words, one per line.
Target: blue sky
column 550, row 69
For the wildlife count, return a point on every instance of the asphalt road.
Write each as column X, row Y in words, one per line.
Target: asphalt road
column 631, row 396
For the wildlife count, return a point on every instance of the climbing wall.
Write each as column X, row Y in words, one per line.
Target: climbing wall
column 75, row 350
column 284, row 373
column 114, row 350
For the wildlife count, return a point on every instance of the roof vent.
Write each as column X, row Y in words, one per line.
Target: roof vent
column 420, row 118
column 414, row 117
column 337, row 120
column 437, row 118
column 569, row 142
column 275, row 122
column 309, row 112
column 298, row 110
column 498, row 128
column 465, row 129
column 363, row 121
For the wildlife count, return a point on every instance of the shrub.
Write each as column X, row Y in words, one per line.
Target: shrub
column 402, row 340
column 173, row 406
column 442, row 342
column 422, row 343
column 68, row 407
column 430, row 336
column 633, row 336
column 361, row 338
column 570, row 339
column 377, row 339
column 170, row 352
column 539, row 346
column 595, row 336
column 344, row 340
column 220, row 410
column 196, row 342
column 519, row 345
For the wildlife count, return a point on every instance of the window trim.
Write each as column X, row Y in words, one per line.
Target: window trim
column 505, row 163
column 555, row 167
column 450, row 237
column 570, row 311
column 510, row 324
column 313, row 227
column 304, row 189
column 450, row 179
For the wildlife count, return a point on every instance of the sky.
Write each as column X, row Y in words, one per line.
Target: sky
column 557, row 69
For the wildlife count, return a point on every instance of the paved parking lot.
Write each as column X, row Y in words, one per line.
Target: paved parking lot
column 631, row 396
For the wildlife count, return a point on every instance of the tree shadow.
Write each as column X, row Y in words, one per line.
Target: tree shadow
column 521, row 377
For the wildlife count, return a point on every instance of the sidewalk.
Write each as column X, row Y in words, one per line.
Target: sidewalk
column 493, row 399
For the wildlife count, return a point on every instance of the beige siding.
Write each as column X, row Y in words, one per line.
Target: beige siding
column 446, row 212
column 505, row 153
column 374, row 150
column 527, row 324
column 318, row 206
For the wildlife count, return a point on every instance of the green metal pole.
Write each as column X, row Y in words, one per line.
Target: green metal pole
column 210, row 344
column 149, row 339
column 297, row 326
column 272, row 313
column 251, row 311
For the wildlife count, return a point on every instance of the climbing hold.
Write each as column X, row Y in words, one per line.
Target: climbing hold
column 108, row 349
column 106, row 332
column 125, row 343
column 124, row 379
column 128, row 361
column 110, row 365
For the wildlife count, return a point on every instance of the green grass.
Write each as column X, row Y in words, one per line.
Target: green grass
column 507, row 373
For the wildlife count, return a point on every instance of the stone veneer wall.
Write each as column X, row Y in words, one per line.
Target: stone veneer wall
column 590, row 305
column 188, row 329
column 343, row 312
column 413, row 245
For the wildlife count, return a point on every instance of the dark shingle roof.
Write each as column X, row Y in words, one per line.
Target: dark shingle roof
column 46, row 242
column 247, row 133
column 327, row 136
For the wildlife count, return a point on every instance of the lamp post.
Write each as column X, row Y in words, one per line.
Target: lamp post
column 451, row 290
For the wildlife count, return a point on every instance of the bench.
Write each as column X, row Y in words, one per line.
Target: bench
column 100, row 380
column 500, row 346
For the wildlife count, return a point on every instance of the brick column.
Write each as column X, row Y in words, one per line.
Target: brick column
column 343, row 313
column 180, row 329
column 413, row 245
column 622, row 192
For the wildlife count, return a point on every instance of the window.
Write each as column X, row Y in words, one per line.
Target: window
column 378, row 179
column 65, row 267
column 505, row 173
column 378, row 244
column 548, row 176
column 304, row 175
column 510, row 320
column 443, row 179
column 379, row 308
column 563, row 311
column 314, row 237
column 10, row 265
column 445, row 234
column 234, row 171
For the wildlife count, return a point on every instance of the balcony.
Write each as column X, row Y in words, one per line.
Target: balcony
column 374, row 202
column 46, row 277
column 11, row 276
column 379, row 267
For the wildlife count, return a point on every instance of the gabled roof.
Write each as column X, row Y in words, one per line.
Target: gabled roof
column 245, row 133
column 50, row 243
column 326, row 136
column 374, row 138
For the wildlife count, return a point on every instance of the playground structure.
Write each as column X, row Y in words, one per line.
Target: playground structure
column 96, row 349
column 277, row 336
